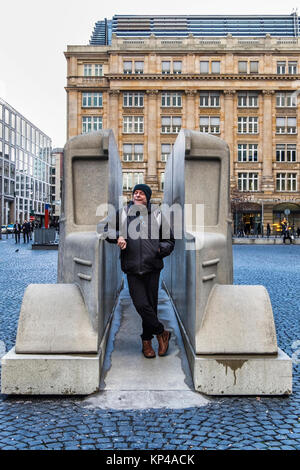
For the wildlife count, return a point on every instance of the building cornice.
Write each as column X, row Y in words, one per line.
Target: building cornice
column 120, row 76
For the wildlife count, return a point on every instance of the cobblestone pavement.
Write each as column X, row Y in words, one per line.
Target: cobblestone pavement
column 225, row 423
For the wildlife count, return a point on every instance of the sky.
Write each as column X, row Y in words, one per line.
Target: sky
column 34, row 35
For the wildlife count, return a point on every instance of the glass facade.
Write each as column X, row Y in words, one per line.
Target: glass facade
column 25, row 160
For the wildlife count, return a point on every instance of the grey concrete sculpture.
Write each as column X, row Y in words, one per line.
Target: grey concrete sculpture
column 229, row 330
column 63, row 328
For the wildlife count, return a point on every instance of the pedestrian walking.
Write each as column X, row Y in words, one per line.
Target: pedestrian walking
column 268, row 230
column 142, row 260
column 298, row 232
column 17, row 231
column 25, row 229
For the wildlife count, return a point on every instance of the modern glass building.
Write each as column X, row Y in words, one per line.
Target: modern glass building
column 205, row 25
column 25, row 160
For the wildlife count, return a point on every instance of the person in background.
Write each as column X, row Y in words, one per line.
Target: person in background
column 17, row 231
column 25, row 228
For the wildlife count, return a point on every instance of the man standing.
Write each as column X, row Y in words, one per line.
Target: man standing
column 25, row 228
column 143, row 244
column 17, row 231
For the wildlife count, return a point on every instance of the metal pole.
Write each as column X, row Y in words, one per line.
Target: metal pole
column 262, row 218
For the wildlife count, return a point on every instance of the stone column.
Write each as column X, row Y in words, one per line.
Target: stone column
column 190, row 116
column 73, row 124
column 151, row 132
column 267, row 184
column 229, row 127
column 114, row 115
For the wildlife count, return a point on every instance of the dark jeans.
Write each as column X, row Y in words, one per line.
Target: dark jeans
column 143, row 290
column 26, row 237
column 17, row 237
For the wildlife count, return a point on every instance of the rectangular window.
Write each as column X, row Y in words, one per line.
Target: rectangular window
column 286, row 182
column 204, row 66
column 6, row 116
column 215, row 66
column 130, row 179
column 286, row 152
column 210, row 124
column 162, row 181
column 281, row 65
column 247, row 99
column 133, row 100
column 139, row 67
column 247, row 125
column 286, row 99
column 247, row 152
column 253, row 66
column 127, row 66
column 177, row 66
column 133, row 124
column 166, row 67
column 286, row 125
column 171, row 100
column 248, row 181
column 87, row 70
column 209, row 99
column 242, row 66
column 166, row 151
column 292, row 67
column 133, row 152
column 98, row 70
column 91, row 123
column 92, row 100
column 170, row 124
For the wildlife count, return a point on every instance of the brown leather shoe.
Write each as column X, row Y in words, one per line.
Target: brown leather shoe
column 148, row 351
column 163, row 342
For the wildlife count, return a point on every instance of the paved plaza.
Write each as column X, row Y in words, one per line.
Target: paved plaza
column 221, row 423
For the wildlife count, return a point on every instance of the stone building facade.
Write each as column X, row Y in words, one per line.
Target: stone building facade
column 239, row 84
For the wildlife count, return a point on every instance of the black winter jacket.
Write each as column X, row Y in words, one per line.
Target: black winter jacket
column 146, row 246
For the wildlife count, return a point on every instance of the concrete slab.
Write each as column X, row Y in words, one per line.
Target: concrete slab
column 244, row 375
column 129, row 380
column 49, row 374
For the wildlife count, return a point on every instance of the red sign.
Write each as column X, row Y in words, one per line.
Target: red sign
column 32, row 218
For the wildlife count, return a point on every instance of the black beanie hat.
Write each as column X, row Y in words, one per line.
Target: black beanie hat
column 145, row 188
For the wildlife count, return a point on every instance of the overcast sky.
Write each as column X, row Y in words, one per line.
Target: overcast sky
column 35, row 33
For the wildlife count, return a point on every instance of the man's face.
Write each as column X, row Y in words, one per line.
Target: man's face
column 139, row 197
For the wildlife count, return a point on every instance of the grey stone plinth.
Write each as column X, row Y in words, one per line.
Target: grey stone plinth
column 243, row 375
column 54, row 319
column 50, row 374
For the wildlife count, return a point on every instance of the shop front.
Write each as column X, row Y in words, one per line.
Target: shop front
column 247, row 219
column 290, row 212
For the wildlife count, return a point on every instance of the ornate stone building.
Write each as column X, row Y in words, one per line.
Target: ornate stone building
column 146, row 77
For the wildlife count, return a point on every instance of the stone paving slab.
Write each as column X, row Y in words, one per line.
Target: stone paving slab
column 224, row 423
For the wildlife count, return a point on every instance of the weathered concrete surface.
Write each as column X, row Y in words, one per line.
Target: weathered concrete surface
column 244, row 375
column 54, row 319
column 216, row 317
column 129, row 380
column 237, row 320
column 50, row 374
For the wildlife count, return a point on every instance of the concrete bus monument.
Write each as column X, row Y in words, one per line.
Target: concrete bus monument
column 228, row 330
column 63, row 328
